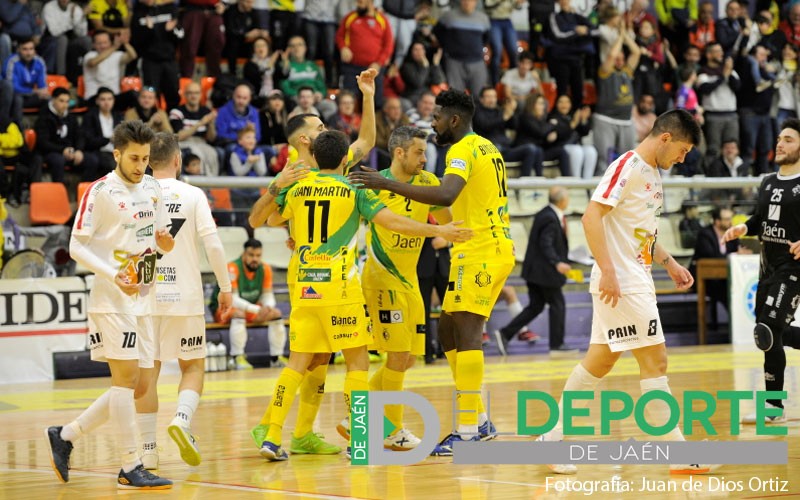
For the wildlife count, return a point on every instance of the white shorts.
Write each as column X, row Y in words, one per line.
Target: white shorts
column 633, row 323
column 121, row 336
column 182, row 337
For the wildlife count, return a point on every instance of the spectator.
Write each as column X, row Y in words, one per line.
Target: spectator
column 365, row 40
column 111, row 16
column 732, row 31
column 11, row 155
column 235, row 115
column 393, row 86
column 611, row 22
column 10, row 106
column 242, row 28
column 98, row 127
column 686, row 97
column 765, row 35
column 273, row 121
column 18, row 23
column 146, row 110
column 710, row 245
column 690, row 225
column 613, row 128
column 791, row 26
column 60, row 141
column 283, row 22
column 676, row 18
column 402, row 17
column 691, row 59
column 462, row 32
column 65, row 38
column 202, row 22
column 102, row 66
column 786, row 84
column 491, row 122
column 571, row 127
column 717, row 84
column 192, row 165
column 246, row 159
column 729, row 164
column 704, row 31
column 644, row 116
column 305, row 103
column 419, row 74
column 571, row 37
column 388, row 118
column 638, row 12
column 755, row 102
column 300, row 72
column 259, row 71
column 534, row 127
column 501, row 34
column 347, row 120
column 522, row 80
column 433, row 270
column 27, row 73
column 647, row 77
column 538, row 18
column 156, row 37
column 195, row 126
column 319, row 28
column 421, row 117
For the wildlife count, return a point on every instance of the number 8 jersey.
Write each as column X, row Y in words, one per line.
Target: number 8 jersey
column 483, row 203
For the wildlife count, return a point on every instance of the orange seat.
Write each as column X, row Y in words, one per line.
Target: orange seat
column 55, row 81
column 81, row 87
column 30, row 139
column 82, row 187
column 550, row 93
column 220, row 199
column 129, row 83
column 501, row 92
column 49, row 203
column 589, row 94
column 206, row 85
column 438, row 89
column 182, row 84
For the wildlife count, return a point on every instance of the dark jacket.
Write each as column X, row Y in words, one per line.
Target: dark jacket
column 534, row 130
column 55, row 133
column 489, row 123
column 418, row 78
column 156, row 43
column 707, row 247
column 547, row 246
column 432, row 262
column 93, row 131
column 562, row 39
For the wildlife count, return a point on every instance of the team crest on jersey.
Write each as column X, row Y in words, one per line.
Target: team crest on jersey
column 483, row 279
column 308, row 292
column 121, row 205
column 459, row 164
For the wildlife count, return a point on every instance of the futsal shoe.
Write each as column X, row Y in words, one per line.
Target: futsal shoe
column 752, row 419
column 60, row 450
column 502, row 342
column 527, row 336
column 259, row 433
column 485, row 339
column 343, row 428
column 187, row 444
column 487, row 431
column 149, row 456
column 141, row 479
column 401, row 440
column 692, row 469
column 312, row 444
column 763, row 336
column 565, row 469
column 239, row 363
column 273, row 452
column 445, row 446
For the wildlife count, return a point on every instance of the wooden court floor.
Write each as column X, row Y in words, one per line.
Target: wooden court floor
column 234, row 401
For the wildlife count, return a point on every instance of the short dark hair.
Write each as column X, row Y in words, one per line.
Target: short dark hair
column 527, row 54
column 403, row 136
column 792, row 123
column 716, row 212
column 101, row 32
column 305, row 87
column 131, row 131
column 485, row 90
column 189, row 158
column 457, row 103
column 685, row 73
column 680, row 123
column 296, row 122
column 104, row 90
column 709, row 45
column 58, row 92
column 329, row 148
column 252, row 243
column 25, row 41
column 163, row 149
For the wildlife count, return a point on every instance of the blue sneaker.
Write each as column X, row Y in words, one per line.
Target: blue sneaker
column 273, row 452
column 487, row 431
column 445, row 446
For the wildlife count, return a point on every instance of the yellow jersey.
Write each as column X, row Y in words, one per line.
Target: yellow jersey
column 392, row 257
column 324, row 213
column 483, row 203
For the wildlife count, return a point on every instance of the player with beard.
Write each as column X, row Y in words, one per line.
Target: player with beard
column 474, row 186
column 776, row 222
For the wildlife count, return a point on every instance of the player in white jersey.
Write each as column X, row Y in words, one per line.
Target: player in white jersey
column 621, row 224
column 179, row 324
column 119, row 229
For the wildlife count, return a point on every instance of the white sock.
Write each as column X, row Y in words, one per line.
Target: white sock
column 467, row 430
column 91, row 418
column 277, row 337
column 579, row 380
column 514, row 308
column 482, row 418
column 187, row 405
column 658, row 410
column 122, row 411
column 148, row 428
column 238, row 333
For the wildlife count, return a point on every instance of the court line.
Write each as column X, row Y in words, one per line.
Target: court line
column 479, row 480
column 222, row 486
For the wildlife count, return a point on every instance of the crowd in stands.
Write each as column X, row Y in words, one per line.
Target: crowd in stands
column 582, row 88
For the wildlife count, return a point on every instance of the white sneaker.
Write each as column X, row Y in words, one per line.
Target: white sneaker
column 402, row 440
column 750, row 418
column 186, row 443
column 567, row 469
column 149, row 458
column 343, row 428
column 693, row 469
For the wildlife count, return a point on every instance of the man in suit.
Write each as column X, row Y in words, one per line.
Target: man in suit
column 544, row 271
column 433, row 270
column 710, row 245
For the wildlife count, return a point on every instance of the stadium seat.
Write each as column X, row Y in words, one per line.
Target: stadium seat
column 578, row 201
column 575, row 234
column 589, row 94
column 55, row 81
column 81, row 87
column 49, row 203
column 233, row 238
column 30, row 138
column 275, row 253
column 220, row 199
column 130, row 83
column 550, row 93
column 531, row 201
column 184, row 82
column 520, row 237
column 674, row 198
column 206, row 85
column 669, row 238
column 438, row 89
column 82, row 187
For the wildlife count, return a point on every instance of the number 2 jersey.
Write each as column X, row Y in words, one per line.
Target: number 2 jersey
column 483, row 203
column 776, row 221
column 117, row 221
column 325, row 210
column 392, row 257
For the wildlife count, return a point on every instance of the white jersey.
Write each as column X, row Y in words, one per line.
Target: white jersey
column 634, row 190
column 118, row 221
column 179, row 287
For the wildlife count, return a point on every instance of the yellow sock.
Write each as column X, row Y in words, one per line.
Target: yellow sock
column 451, row 360
column 282, row 398
column 312, row 389
column 376, row 381
column 267, row 414
column 355, row 380
column 393, row 381
column 469, row 377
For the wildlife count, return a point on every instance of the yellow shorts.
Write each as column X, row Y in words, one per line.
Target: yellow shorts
column 475, row 287
column 328, row 328
column 398, row 320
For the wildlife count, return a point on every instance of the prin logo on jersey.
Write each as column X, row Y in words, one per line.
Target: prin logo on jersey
column 306, row 256
column 144, row 214
column 308, row 292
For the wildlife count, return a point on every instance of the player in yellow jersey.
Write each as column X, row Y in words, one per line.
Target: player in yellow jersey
column 474, row 186
column 327, row 302
column 301, row 131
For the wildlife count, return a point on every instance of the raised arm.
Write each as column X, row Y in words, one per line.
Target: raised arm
column 366, row 135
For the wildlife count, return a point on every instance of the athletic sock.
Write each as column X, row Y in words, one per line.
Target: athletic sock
column 122, row 411
column 282, row 398
column 452, row 356
column 579, row 380
column 91, row 418
column 148, row 429
column 187, row 405
column 376, row 381
column 393, row 381
column 469, row 378
column 657, row 409
column 312, row 389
